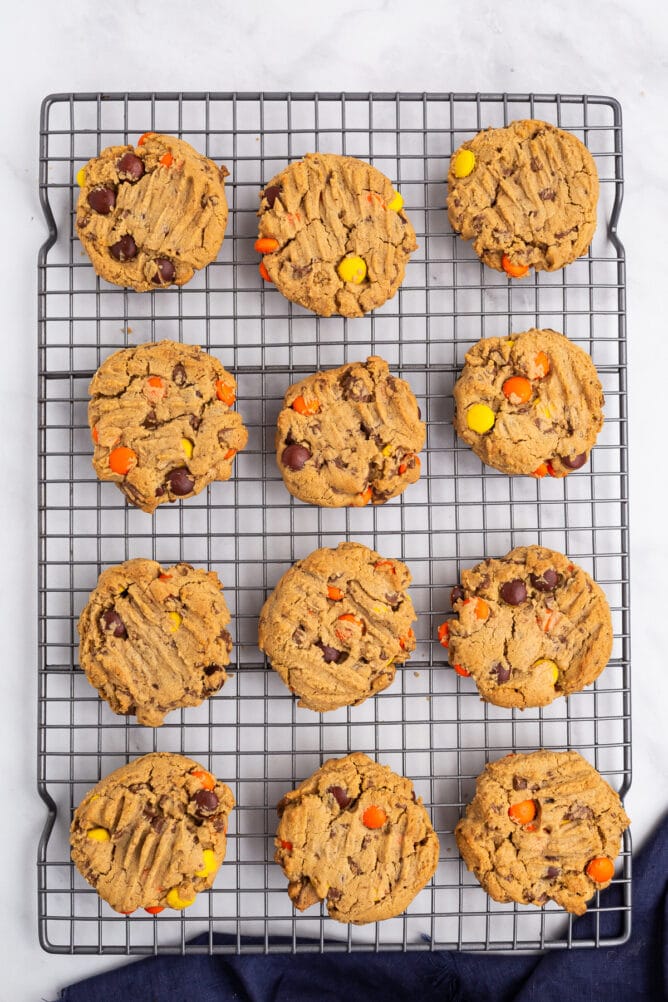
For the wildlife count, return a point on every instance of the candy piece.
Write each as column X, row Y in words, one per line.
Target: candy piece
column 187, row 447
column 513, row 592
column 574, row 462
column 95, row 435
column 174, row 900
column 165, row 271
column 600, row 869
column 340, row 795
column 517, row 389
column 548, row 620
column 444, row 634
column 114, row 624
column 540, row 471
column 385, row 563
column 154, row 909
column 348, row 617
column 352, row 269
column 207, row 780
column 264, row 274
column 102, row 200
column 387, row 450
column 176, row 621
column 403, row 641
column 396, row 203
column 154, row 389
column 131, row 167
column 362, row 499
column 225, row 392
column 142, row 139
column 543, row 410
column 165, row 577
column 513, row 270
column 374, row 817
column 81, row 177
column 464, row 163
column 330, row 654
column 303, row 407
column 128, row 913
column 481, row 609
column 523, row 812
column 547, row 581
column 460, row 670
column 295, row 457
column 542, row 363
column 210, row 863
column 286, row 845
column 124, row 249
column 122, row 460
column 206, row 801
column 167, row 159
column 551, row 664
column 98, row 834
column 335, row 594
column 230, row 453
column 180, row 481
column 266, row 245
column 480, row 418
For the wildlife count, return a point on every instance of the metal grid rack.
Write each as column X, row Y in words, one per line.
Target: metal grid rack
column 430, row 724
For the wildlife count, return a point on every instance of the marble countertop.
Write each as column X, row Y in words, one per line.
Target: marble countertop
column 596, row 48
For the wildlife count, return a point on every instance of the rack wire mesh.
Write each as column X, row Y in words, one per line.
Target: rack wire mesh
column 430, row 724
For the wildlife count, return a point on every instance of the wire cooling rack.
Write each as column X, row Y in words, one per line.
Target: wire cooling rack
column 430, row 724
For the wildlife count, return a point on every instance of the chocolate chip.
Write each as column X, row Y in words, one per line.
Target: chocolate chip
column 179, row 374
column 334, row 894
column 513, row 592
column 195, row 422
column 124, row 249
column 519, row 783
column 271, row 194
column 150, row 422
column 574, row 462
column 298, row 636
column 281, row 805
column 206, row 801
column 212, row 669
column 457, row 594
column 419, row 414
column 114, row 624
column 158, row 825
column 165, row 271
column 295, row 457
column 102, row 200
column 330, row 654
column 340, row 796
column 579, row 812
column 131, row 167
column 180, row 482
column 159, row 491
column 354, row 866
column 301, row 271
column 547, row 194
column 353, row 388
column 535, row 165
column 502, row 672
column 552, row 872
column 548, row 581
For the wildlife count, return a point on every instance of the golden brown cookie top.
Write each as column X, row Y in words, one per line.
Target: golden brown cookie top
column 152, row 834
column 162, row 422
column 150, row 215
column 542, row 826
column 154, row 639
column 531, row 403
column 355, row 836
column 526, row 194
column 336, row 625
column 349, row 436
column 529, row 627
column 334, row 235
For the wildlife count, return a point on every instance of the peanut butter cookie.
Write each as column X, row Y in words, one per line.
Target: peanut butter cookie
column 334, row 235
column 542, row 826
column 355, row 835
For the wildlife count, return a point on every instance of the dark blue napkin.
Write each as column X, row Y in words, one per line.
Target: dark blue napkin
column 636, row 971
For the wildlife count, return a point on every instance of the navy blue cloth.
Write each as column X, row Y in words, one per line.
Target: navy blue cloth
column 638, row 970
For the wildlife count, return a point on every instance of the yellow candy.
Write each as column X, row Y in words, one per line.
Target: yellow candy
column 387, row 450
column 176, row 620
column 352, row 269
column 81, row 177
column 380, row 608
column 480, row 418
column 210, row 864
column 464, row 163
column 543, row 410
column 98, row 834
column 187, row 447
column 555, row 669
column 174, row 900
column 396, row 203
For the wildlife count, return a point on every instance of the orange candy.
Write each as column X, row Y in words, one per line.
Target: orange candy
column 542, row 364
column 374, row 817
column 519, row 388
column 122, row 459
column 95, row 435
column 540, row 471
column 286, row 845
column 481, row 608
column 225, row 392
column 335, row 594
column 513, row 270
column 230, row 453
column 266, row 245
column 600, row 869
column 167, row 160
column 460, row 670
column 208, row 781
column 403, row 641
column 385, row 563
column 155, row 909
column 263, row 272
column 348, row 617
column 142, row 139
column 302, row 407
column 444, row 634
column 363, row 498
column 164, row 577
column 523, row 812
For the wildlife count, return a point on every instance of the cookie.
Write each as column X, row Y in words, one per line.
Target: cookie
column 162, row 422
column 152, row 834
column 349, row 436
column 355, row 835
column 337, row 624
column 542, row 826
column 530, row 403
column 151, row 215
column 154, row 639
column 529, row 627
column 334, row 235
column 526, row 196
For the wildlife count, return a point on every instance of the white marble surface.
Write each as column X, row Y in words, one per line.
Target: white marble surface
column 597, row 47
